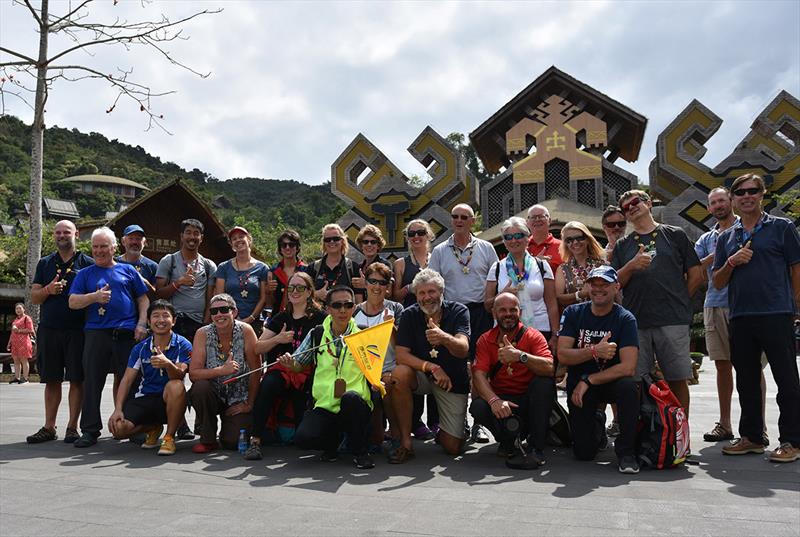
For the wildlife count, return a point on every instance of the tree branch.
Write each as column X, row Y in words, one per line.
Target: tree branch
column 69, row 15
column 28, row 60
column 33, row 12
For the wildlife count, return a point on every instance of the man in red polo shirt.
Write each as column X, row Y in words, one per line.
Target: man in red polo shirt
column 513, row 377
column 542, row 244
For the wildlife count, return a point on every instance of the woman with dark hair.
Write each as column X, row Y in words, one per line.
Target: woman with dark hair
column 419, row 237
column 285, row 332
column 20, row 344
column 282, row 271
column 370, row 241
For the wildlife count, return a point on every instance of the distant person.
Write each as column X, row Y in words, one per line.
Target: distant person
column 134, row 241
column 542, row 244
column 59, row 342
column 333, row 268
column 289, row 262
column 244, row 278
column 186, row 279
column 20, row 345
column 114, row 298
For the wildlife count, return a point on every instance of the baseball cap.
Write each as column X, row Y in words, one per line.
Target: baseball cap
column 237, row 228
column 133, row 228
column 604, row 272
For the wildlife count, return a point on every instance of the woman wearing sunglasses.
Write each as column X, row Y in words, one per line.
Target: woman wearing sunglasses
column 334, row 268
column 370, row 241
column 222, row 350
column 528, row 278
column 373, row 311
column 419, row 237
column 282, row 271
column 282, row 335
column 581, row 253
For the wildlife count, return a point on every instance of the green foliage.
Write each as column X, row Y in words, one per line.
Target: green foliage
column 14, row 251
column 790, row 200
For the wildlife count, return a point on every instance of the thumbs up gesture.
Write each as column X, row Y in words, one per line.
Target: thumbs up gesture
column 272, row 283
column 56, row 287
column 387, row 315
column 323, row 292
column 507, row 353
column 641, row 260
column 103, row 294
column 743, row 256
column 434, row 334
column 360, row 282
column 285, row 336
column 188, row 278
column 605, row 349
column 158, row 359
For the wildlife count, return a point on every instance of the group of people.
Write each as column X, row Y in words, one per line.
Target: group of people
column 466, row 326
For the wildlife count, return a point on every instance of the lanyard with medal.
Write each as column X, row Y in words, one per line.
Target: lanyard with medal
column 339, row 385
column 457, row 253
column 519, row 275
column 243, row 279
column 745, row 238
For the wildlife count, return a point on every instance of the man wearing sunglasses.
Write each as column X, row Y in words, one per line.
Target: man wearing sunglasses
column 542, row 244
column 659, row 272
column 614, row 224
column 758, row 258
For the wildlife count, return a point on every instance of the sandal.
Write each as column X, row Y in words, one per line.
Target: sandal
column 718, row 434
column 253, row 452
column 401, row 455
column 42, row 435
column 71, row 436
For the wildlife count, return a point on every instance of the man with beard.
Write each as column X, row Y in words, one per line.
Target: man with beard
column 598, row 342
column 431, row 352
column 186, row 278
column 542, row 244
column 60, row 334
column 134, row 241
column 758, row 258
column 115, row 299
column 715, row 315
column 513, row 376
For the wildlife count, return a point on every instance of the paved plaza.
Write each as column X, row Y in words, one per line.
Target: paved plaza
column 116, row 488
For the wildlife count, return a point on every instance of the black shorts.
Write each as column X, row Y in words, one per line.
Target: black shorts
column 59, row 354
column 149, row 409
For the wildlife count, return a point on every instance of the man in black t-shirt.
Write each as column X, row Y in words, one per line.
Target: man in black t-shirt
column 598, row 342
column 431, row 352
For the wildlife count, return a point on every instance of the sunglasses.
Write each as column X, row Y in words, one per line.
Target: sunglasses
column 416, row 233
column 514, row 236
column 739, row 192
column 374, row 281
column 342, row 305
column 297, row 288
column 331, row 239
column 632, row 203
column 460, row 216
column 288, row 245
column 620, row 224
column 538, row 217
column 579, row 238
column 220, row 309
column 369, row 242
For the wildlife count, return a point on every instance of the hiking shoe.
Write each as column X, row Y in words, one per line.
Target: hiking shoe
column 151, row 440
column 167, row 445
column 478, row 435
column 539, row 454
column 329, row 456
column 253, row 452
column 613, row 429
column 718, row 434
column 628, row 465
column 786, row 452
column 42, row 435
column 401, row 455
column 23, row 380
column 71, row 436
column 423, row 433
column 526, row 461
column 505, row 450
column 742, row 446
column 205, row 447
column 86, row 440
column 184, row 432
column 364, row 461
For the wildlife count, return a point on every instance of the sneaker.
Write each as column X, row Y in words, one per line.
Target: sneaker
column 423, row 433
column 364, row 461
column 253, row 452
column 71, row 436
column 329, row 456
column 742, row 446
column 718, row 434
column 23, row 380
column 138, row 439
column 42, row 435
column 478, row 435
column 86, row 440
column 184, row 432
column 786, row 452
column 167, row 445
column 628, row 465
column 613, row 429
column 151, row 440
column 205, row 447
column 13, row 381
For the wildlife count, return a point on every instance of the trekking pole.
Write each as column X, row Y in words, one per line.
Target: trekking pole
column 267, row 366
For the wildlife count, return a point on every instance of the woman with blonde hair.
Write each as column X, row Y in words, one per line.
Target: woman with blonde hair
column 333, row 268
column 581, row 253
column 419, row 237
column 370, row 241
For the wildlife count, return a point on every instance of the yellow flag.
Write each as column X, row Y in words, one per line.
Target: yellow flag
column 368, row 347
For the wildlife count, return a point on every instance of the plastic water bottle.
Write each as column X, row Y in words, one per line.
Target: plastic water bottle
column 243, row 443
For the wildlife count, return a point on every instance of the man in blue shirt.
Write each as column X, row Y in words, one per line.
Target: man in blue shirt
column 758, row 258
column 114, row 296
column 134, row 241
column 60, row 334
column 162, row 359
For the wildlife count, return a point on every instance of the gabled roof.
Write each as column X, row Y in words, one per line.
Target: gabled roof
column 627, row 138
column 57, row 209
column 105, row 179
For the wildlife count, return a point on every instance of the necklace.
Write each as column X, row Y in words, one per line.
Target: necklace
column 520, row 274
column 648, row 241
column 417, row 263
column 457, row 253
column 221, row 354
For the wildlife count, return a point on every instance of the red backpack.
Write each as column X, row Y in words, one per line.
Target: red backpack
column 663, row 433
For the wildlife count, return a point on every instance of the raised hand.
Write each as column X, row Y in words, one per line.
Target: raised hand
column 641, row 260
column 387, row 315
column 605, row 349
column 285, row 336
column 434, row 334
column 188, row 278
column 507, row 353
column 56, row 287
column 360, row 282
column 743, row 256
column 322, row 293
column 272, row 283
column 230, row 367
column 103, row 295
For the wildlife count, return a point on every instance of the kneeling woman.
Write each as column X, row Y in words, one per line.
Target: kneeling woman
column 283, row 335
column 222, row 350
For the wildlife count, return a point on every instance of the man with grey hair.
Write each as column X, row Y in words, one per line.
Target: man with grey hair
column 114, row 297
column 542, row 244
column 431, row 353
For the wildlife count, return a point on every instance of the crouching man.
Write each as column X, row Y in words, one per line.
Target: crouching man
column 598, row 341
column 162, row 359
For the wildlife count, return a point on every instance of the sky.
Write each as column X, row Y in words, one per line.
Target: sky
column 291, row 84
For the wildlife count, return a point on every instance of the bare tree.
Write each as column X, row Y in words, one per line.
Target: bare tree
column 84, row 34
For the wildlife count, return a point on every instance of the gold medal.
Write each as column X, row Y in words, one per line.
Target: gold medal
column 244, row 293
column 434, row 354
column 465, row 270
column 101, row 311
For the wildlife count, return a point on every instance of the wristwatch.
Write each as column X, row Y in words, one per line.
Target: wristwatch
column 585, row 378
column 523, row 358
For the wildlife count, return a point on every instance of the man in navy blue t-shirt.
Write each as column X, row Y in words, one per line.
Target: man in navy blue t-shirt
column 162, row 359
column 758, row 258
column 599, row 343
column 134, row 241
